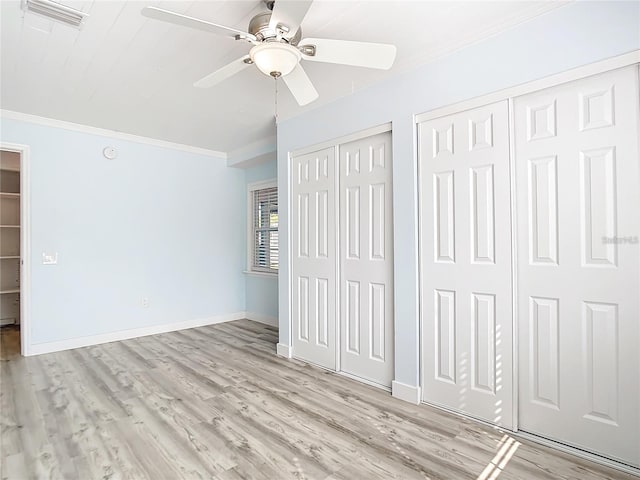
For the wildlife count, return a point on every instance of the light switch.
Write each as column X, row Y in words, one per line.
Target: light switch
column 49, row 259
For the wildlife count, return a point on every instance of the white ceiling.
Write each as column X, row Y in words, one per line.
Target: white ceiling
column 125, row 72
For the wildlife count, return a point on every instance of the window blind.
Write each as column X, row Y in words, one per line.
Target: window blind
column 265, row 229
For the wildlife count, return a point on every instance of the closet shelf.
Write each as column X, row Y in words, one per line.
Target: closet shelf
column 10, row 239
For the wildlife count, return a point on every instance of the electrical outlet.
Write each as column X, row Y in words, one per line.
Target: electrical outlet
column 145, row 302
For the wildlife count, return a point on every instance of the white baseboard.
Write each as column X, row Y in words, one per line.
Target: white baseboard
column 262, row 318
column 285, row 351
column 79, row 342
column 405, row 392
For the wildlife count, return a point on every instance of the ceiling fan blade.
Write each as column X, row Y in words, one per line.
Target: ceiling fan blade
column 186, row 21
column 223, row 73
column 300, row 86
column 359, row 54
column 289, row 13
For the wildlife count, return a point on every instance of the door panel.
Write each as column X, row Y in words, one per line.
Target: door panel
column 578, row 187
column 314, row 257
column 466, row 263
column 366, row 259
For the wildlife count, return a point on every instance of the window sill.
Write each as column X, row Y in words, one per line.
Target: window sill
column 260, row 274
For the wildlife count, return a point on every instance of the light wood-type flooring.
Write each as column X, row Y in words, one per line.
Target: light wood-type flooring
column 217, row 403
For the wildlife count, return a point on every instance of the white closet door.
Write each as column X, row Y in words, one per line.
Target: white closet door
column 466, row 263
column 314, row 257
column 366, row 259
column 578, row 199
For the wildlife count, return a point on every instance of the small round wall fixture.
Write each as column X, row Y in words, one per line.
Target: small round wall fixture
column 110, row 153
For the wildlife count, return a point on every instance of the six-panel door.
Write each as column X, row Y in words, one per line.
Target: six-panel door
column 466, row 263
column 366, row 259
column 313, row 285
column 576, row 152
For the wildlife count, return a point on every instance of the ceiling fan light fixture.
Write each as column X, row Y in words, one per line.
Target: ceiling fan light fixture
column 275, row 59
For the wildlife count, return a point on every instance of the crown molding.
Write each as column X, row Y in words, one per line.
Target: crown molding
column 77, row 127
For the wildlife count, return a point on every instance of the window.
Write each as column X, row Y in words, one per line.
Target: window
column 263, row 239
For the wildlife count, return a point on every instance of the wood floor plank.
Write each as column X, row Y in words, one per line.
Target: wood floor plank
column 13, row 466
column 367, row 418
column 216, row 402
column 307, row 433
column 173, row 439
column 33, row 440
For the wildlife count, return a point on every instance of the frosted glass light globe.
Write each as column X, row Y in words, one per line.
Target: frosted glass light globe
column 275, row 58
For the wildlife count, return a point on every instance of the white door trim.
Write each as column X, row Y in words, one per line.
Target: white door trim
column 25, row 244
column 529, row 87
column 367, row 132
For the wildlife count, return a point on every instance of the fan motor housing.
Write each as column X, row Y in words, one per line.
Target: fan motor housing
column 259, row 26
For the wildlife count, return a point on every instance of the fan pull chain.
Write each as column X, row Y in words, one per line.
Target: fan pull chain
column 276, row 98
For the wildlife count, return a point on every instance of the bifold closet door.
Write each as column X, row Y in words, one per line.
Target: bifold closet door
column 366, row 259
column 466, row 263
column 314, row 273
column 578, row 186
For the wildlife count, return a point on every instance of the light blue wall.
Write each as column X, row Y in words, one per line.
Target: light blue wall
column 155, row 223
column 261, row 291
column 571, row 36
column 262, row 295
column 265, row 171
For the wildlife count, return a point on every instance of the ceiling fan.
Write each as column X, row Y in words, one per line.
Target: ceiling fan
column 278, row 49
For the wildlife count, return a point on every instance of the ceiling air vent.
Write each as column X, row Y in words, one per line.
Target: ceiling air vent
column 56, row 11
